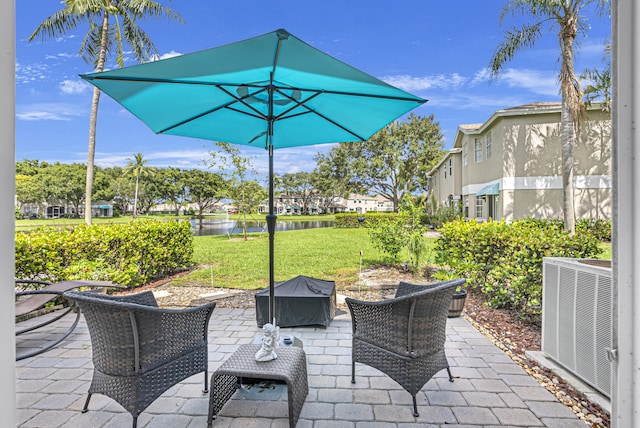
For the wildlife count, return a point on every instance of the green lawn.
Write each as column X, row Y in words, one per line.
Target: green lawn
column 327, row 253
column 606, row 251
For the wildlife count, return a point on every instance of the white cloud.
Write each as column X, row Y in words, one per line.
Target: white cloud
column 164, row 56
column 418, row 83
column 30, row 73
column 481, row 76
column 541, row 82
column 473, row 102
column 536, row 81
column 40, row 115
column 62, row 55
column 40, row 112
column 74, row 87
column 184, row 159
column 170, row 54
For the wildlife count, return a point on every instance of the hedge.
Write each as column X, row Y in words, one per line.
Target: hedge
column 505, row 260
column 128, row 254
column 365, row 220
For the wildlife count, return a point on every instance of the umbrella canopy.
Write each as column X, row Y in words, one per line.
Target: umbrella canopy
column 272, row 91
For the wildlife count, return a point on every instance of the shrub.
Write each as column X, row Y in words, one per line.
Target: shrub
column 129, row 254
column 362, row 220
column 441, row 214
column 505, row 260
column 599, row 228
column 404, row 230
column 388, row 237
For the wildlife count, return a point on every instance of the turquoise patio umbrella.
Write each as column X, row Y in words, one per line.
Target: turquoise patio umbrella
column 272, row 91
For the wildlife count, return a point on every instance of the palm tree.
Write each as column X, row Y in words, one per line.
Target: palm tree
column 599, row 83
column 111, row 23
column 565, row 16
column 138, row 168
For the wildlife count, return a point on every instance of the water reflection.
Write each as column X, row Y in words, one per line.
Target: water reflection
column 234, row 227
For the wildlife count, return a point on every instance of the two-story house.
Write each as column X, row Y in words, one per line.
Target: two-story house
column 511, row 166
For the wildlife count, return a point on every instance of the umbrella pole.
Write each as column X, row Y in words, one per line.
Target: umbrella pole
column 271, row 225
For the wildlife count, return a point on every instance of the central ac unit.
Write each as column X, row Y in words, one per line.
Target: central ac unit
column 577, row 317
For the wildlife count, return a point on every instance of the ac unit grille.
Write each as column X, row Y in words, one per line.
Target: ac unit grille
column 566, row 316
column 550, row 302
column 577, row 318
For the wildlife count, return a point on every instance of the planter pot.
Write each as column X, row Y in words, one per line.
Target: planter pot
column 457, row 304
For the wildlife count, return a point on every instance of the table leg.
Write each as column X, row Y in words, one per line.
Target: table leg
column 222, row 389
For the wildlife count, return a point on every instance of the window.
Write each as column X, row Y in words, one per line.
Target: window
column 465, row 211
column 479, row 207
column 450, row 167
column 445, row 172
column 488, row 145
column 464, row 154
column 478, row 149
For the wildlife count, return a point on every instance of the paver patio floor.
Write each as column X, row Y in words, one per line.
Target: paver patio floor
column 490, row 390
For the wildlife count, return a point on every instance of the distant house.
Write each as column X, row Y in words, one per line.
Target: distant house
column 510, row 166
column 59, row 209
column 101, row 209
column 294, row 204
column 290, row 204
column 363, row 204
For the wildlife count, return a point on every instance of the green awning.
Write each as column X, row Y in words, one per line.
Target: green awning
column 491, row 189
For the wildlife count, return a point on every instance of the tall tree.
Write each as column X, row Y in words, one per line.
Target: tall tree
column 566, row 17
column 299, row 186
column 112, row 23
column 64, row 183
column 394, row 161
column 238, row 169
column 332, row 178
column 136, row 166
column 172, row 186
column 29, row 190
column 204, row 189
column 151, row 193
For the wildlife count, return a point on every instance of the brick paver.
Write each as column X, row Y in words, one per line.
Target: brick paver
column 489, row 388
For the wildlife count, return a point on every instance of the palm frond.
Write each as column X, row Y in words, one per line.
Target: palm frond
column 515, row 40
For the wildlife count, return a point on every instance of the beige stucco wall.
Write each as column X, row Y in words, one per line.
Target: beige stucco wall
column 526, row 161
column 449, row 184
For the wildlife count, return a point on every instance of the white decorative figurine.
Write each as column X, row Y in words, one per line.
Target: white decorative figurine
column 269, row 343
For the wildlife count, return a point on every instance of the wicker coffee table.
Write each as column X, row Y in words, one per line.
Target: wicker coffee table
column 290, row 367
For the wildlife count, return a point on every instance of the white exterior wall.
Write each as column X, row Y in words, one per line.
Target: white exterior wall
column 626, row 214
column 7, row 218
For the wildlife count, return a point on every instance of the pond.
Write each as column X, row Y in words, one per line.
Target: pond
column 234, row 227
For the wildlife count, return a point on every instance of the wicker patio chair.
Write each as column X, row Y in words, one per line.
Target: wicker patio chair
column 141, row 350
column 404, row 337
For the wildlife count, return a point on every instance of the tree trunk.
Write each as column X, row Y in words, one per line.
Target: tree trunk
column 91, row 151
column 135, row 199
column 568, row 140
column 570, row 117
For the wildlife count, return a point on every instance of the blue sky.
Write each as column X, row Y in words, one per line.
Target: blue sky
column 436, row 50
